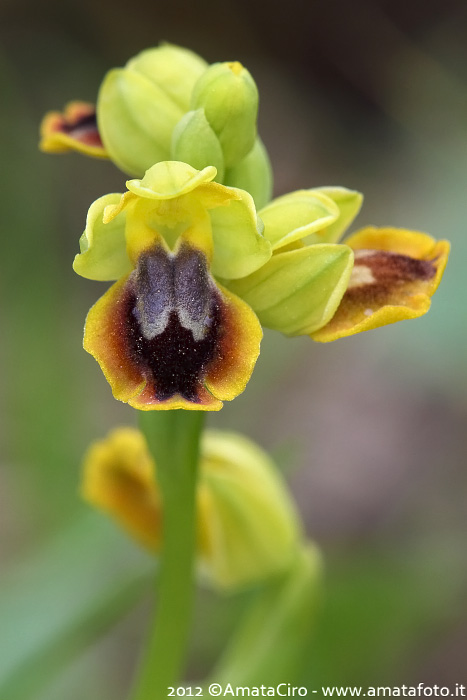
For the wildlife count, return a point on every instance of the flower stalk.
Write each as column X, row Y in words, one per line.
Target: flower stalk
column 173, row 438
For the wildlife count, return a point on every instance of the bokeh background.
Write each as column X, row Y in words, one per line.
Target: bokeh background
column 371, row 430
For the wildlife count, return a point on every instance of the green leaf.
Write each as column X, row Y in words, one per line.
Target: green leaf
column 61, row 599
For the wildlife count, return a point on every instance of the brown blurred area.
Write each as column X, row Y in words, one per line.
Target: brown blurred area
column 369, row 94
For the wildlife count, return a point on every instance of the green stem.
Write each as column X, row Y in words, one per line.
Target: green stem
column 173, row 438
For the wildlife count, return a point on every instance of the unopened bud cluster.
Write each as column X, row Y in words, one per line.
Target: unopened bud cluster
column 167, row 103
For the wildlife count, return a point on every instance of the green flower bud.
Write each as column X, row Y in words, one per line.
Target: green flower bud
column 168, row 103
column 136, row 119
column 253, row 174
column 229, row 96
column 174, row 69
column 139, row 105
column 194, row 142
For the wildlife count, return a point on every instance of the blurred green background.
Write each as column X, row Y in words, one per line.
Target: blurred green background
column 371, row 430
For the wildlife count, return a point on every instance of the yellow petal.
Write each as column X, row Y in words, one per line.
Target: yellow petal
column 119, row 478
column 169, row 179
column 297, row 215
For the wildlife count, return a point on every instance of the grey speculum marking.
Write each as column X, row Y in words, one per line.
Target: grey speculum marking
column 173, row 320
column 154, row 292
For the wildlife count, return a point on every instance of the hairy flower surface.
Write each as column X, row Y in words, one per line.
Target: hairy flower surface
column 248, row 528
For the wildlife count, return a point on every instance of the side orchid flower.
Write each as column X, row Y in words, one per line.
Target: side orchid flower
column 312, row 286
column 73, row 130
column 247, row 525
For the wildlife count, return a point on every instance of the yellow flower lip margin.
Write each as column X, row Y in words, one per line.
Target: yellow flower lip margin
column 312, row 285
column 118, row 478
column 396, row 273
column 74, row 129
column 248, row 528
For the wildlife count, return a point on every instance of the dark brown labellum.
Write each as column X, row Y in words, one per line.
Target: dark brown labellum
column 174, row 320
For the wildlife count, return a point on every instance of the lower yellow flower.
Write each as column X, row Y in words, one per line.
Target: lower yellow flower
column 248, row 528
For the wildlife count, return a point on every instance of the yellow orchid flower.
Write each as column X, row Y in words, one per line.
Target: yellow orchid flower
column 167, row 335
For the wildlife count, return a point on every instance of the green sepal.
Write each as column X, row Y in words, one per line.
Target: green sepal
column 103, row 254
column 298, row 291
column 349, row 203
column 251, row 523
column 172, row 68
column 239, row 246
column 194, row 142
column 170, row 179
column 297, row 215
column 253, row 174
column 229, row 96
column 136, row 119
